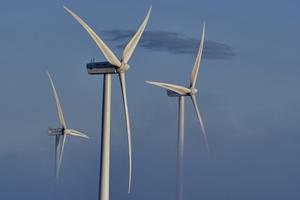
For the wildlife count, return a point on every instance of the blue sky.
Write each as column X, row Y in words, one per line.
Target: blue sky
column 249, row 100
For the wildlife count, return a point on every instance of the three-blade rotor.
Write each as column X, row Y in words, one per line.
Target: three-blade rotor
column 60, row 138
column 191, row 91
column 121, row 67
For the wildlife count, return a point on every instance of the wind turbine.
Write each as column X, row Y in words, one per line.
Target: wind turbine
column 61, row 133
column 181, row 92
column 113, row 66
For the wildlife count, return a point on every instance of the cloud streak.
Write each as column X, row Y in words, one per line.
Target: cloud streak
column 172, row 42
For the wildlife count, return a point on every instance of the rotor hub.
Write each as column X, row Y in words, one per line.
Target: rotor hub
column 124, row 67
column 193, row 91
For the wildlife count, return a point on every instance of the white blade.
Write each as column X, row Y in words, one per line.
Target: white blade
column 109, row 55
column 198, row 60
column 62, row 146
column 123, row 86
column 59, row 110
column 135, row 39
column 77, row 133
column 201, row 121
column 175, row 88
column 57, row 153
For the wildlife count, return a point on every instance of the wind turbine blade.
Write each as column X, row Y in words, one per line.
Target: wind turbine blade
column 109, row 55
column 123, row 86
column 59, row 110
column 175, row 88
column 198, row 60
column 57, row 153
column 77, row 134
column 135, row 39
column 62, row 146
column 201, row 121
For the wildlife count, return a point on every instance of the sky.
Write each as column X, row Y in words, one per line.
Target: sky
column 247, row 92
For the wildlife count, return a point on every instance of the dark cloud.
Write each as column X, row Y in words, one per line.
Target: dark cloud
column 174, row 43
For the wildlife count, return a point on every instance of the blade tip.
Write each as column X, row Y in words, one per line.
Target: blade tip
column 129, row 187
column 49, row 75
column 203, row 29
column 67, row 9
column 150, row 82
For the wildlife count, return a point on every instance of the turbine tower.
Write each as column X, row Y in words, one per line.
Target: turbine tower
column 61, row 133
column 113, row 66
column 181, row 92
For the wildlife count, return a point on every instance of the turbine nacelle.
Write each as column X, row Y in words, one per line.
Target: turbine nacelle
column 188, row 92
column 55, row 131
column 171, row 93
column 96, row 68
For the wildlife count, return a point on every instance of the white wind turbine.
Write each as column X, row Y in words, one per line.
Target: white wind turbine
column 113, row 66
column 61, row 133
column 181, row 92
